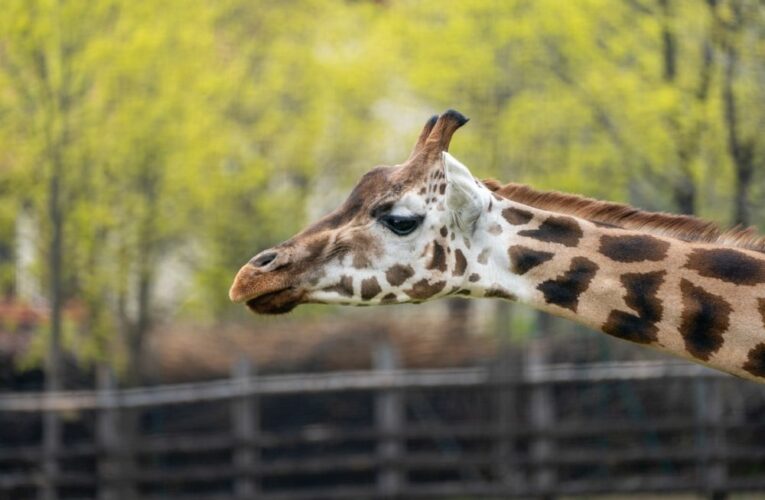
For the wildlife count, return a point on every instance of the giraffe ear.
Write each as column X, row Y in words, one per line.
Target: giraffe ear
column 465, row 197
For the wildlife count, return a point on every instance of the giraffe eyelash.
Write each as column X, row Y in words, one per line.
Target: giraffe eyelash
column 381, row 209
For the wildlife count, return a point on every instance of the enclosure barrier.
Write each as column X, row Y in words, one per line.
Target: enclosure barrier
column 514, row 440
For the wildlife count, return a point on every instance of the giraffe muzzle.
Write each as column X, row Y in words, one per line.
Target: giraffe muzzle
column 267, row 284
column 265, row 292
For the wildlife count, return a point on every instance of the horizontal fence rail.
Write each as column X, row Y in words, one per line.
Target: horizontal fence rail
column 343, row 381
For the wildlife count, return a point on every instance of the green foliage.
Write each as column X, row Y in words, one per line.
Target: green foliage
column 187, row 136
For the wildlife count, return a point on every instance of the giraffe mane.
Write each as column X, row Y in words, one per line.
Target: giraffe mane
column 619, row 215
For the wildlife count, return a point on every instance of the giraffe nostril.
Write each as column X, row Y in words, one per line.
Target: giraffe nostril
column 263, row 259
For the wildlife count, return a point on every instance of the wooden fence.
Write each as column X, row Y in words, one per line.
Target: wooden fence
column 517, row 428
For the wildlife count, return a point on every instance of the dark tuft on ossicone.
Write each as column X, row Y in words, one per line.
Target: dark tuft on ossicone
column 456, row 116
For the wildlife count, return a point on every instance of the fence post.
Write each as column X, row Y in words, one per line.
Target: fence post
column 389, row 420
column 107, row 435
column 542, row 413
column 245, row 414
column 711, row 436
column 51, row 441
column 507, row 374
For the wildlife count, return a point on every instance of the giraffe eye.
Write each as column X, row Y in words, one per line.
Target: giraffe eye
column 401, row 225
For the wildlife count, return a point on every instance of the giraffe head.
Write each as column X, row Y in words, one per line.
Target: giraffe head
column 403, row 235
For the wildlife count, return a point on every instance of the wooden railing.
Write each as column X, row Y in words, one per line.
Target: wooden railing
column 520, row 437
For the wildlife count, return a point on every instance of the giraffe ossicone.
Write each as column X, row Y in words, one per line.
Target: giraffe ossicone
column 426, row 229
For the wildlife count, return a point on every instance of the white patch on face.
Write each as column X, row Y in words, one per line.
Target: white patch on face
column 410, row 204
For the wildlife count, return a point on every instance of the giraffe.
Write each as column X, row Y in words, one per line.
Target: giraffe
column 426, row 229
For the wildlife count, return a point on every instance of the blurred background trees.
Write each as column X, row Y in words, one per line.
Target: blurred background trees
column 147, row 151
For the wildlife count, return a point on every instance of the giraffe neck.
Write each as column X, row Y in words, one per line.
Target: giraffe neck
column 700, row 301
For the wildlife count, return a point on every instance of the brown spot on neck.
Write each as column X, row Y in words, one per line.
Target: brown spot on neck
column 523, row 259
column 642, row 290
column 705, row 319
column 727, row 265
column 565, row 290
column 633, row 248
column 517, row 216
column 755, row 361
column 556, row 229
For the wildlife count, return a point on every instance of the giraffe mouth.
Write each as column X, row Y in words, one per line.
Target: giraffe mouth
column 277, row 302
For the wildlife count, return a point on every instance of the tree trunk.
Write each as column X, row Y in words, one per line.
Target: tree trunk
column 138, row 329
column 684, row 187
column 684, row 195
column 741, row 151
column 669, row 47
column 742, row 212
column 147, row 251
